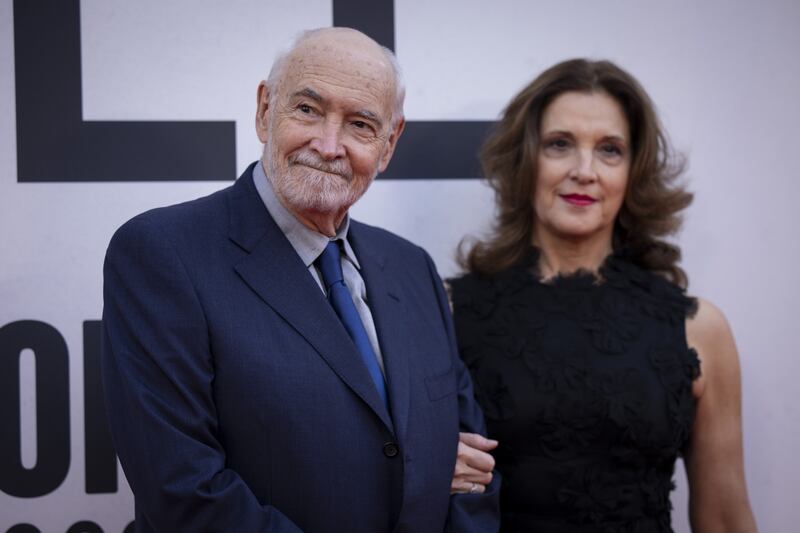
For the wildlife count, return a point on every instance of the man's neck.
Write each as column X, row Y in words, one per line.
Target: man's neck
column 325, row 223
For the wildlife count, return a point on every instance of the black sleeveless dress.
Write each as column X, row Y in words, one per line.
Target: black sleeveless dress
column 587, row 384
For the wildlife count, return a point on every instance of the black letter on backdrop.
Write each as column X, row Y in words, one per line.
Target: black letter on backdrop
column 23, row 528
column 85, row 526
column 428, row 149
column 101, row 460
column 55, row 144
column 52, row 409
column 373, row 17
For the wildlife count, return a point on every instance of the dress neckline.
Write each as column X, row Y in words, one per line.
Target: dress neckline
column 615, row 269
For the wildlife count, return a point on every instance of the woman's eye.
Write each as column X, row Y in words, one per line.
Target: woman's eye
column 611, row 149
column 558, row 144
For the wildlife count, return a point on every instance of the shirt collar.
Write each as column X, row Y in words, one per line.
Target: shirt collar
column 308, row 243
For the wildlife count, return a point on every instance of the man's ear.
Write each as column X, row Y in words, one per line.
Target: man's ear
column 391, row 144
column 262, row 111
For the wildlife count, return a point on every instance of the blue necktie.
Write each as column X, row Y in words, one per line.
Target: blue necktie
column 330, row 265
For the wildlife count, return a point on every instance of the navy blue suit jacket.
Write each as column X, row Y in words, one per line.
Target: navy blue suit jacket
column 237, row 401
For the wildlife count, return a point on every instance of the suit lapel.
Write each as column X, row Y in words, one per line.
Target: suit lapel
column 275, row 272
column 385, row 303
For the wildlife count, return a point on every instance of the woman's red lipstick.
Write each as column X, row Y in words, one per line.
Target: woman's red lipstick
column 578, row 199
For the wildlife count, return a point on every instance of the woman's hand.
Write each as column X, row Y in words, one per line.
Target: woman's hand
column 474, row 464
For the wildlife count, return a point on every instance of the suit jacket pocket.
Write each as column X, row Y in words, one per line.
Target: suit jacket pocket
column 441, row 385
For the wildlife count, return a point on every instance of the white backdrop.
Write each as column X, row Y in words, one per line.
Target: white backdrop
column 725, row 78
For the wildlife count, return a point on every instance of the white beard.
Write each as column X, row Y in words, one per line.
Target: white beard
column 310, row 183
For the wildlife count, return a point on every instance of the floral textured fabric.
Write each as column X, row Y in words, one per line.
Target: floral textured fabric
column 586, row 381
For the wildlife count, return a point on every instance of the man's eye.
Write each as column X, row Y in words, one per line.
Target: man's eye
column 363, row 128
column 304, row 108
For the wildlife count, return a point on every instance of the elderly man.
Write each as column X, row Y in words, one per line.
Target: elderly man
column 270, row 364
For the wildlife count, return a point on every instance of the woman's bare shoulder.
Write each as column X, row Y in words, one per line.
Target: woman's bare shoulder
column 709, row 333
column 707, row 324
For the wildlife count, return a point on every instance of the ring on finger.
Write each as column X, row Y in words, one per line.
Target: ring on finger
column 474, row 488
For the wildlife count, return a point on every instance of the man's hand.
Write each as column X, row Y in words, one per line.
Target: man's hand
column 474, row 465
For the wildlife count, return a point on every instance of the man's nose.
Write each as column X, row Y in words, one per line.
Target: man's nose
column 328, row 141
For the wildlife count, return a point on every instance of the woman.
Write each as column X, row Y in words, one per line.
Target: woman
column 594, row 369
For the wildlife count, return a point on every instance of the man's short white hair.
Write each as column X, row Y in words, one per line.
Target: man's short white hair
column 278, row 66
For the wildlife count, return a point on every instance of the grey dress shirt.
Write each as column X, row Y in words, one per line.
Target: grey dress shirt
column 309, row 245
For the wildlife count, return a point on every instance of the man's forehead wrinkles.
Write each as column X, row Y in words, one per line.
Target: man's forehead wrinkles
column 361, row 72
column 329, row 90
column 309, row 93
column 366, row 97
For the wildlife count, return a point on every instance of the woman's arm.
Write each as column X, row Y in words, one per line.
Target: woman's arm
column 714, row 461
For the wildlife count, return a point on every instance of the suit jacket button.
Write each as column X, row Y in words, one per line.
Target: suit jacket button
column 390, row 449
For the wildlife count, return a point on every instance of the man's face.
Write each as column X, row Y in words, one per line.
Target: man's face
column 327, row 129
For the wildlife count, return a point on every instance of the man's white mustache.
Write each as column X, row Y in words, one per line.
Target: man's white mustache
column 331, row 167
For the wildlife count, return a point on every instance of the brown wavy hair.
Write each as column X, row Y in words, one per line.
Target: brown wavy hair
column 653, row 198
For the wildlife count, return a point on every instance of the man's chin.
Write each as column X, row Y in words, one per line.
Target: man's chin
column 320, row 192
column 321, row 200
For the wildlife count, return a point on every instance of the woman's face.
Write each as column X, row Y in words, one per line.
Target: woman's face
column 583, row 165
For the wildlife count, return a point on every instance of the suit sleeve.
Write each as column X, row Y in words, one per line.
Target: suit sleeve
column 468, row 513
column 158, row 372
